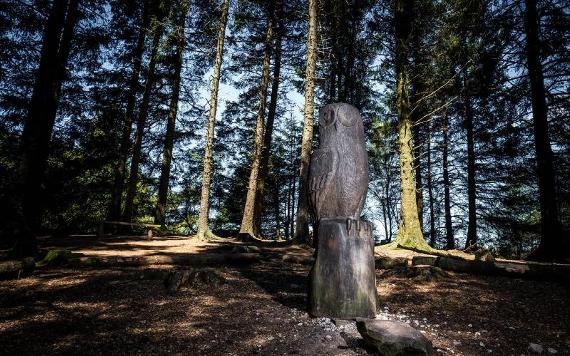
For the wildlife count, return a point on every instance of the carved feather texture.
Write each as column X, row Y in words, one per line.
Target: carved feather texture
column 338, row 175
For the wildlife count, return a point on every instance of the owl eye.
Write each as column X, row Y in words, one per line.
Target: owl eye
column 348, row 115
column 327, row 116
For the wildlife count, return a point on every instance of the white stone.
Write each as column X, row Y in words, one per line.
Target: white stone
column 536, row 348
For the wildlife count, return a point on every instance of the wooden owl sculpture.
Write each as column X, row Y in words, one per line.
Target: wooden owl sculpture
column 338, row 174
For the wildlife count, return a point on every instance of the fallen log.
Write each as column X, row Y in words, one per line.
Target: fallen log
column 298, row 258
column 532, row 270
column 385, row 262
column 150, row 228
column 181, row 260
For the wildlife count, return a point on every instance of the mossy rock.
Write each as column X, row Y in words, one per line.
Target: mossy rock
column 484, row 255
column 56, row 258
column 426, row 273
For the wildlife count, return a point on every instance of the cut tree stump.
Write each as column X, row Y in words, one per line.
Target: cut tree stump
column 191, row 277
column 17, row 269
column 424, row 260
column 385, row 262
column 343, row 280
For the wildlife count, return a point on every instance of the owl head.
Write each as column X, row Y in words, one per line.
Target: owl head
column 338, row 114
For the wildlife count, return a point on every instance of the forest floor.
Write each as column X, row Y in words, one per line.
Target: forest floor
column 260, row 308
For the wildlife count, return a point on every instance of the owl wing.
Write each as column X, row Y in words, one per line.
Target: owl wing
column 322, row 168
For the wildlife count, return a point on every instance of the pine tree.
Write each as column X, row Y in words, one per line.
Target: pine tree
column 125, row 143
column 302, row 225
column 157, row 31
column 56, row 48
column 179, row 41
column 248, row 226
column 272, row 110
column 208, row 165
column 410, row 232
column 552, row 244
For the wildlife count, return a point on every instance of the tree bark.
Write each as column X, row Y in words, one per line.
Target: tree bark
column 38, row 127
column 277, row 208
column 248, row 226
column 141, row 123
column 432, row 231
column 553, row 243
column 450, row 240
column 120, row 168
column 471, row 188
column 385, row 218
column 302, row 225
column 268, row 135
column 208, row 151
column 160, row 211
column 389, row 207
column 410, row 232
column 417, row 151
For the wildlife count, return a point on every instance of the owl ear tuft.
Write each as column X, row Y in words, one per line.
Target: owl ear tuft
column 348, row 115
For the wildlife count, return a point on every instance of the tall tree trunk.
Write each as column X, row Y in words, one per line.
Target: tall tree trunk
column 410, row 232
column 432, row 231
column 38, row 127
column 417, row 151
column 450, row 240
column 141, row 124
column 121, row 164
column 293, row 211
column 388, row 203
column 208, row 164
column 268, row 135
column 417, row 113
column 248, row 226
column 302, row 224
column 385, row 218
column 124, row 145
column 160, row 211
column 471, row 188
column 389, row 212
column 277, row 209
column 553, row 243
column 291, row 177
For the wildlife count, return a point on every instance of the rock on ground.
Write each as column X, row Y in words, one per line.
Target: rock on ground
column 393, row 338
column 535, row 348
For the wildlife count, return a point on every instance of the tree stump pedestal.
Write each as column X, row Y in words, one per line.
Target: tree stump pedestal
column 342, row 280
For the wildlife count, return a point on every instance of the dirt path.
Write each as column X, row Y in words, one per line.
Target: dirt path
column 261, row 310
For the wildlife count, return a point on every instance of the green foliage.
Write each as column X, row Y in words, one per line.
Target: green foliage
column 460, row 48
column 55, row 258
